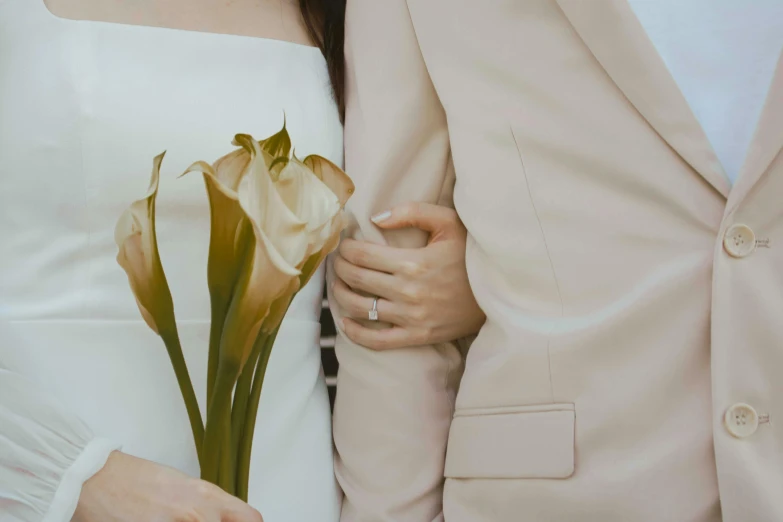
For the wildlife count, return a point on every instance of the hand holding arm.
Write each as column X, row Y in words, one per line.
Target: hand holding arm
column 423, row 292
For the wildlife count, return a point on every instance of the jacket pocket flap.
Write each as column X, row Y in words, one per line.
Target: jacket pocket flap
column 524, row 442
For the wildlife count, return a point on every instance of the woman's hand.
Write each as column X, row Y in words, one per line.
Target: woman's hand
column 423, row 292
column 129, row 489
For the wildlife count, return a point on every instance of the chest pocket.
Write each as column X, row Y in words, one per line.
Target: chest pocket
column 526, row 442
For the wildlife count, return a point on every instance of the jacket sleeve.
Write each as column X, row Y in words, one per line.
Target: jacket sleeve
column 393, row 409
column 46, row 454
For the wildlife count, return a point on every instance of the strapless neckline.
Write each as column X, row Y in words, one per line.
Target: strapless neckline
column 43, row 10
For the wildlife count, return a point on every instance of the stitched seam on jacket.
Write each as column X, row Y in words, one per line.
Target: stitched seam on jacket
column 551, row 263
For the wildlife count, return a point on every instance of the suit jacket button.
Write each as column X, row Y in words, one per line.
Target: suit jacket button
column 741, row 420
column 739, row 241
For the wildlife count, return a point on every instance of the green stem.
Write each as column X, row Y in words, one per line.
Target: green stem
column 246, row 442
column 174, row 348
column 218, row 415
column 227, row 473
column 215, row 333
column 242, row 394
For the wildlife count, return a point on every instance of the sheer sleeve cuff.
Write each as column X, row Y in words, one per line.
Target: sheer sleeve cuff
column 46, row 454
column 90, row 462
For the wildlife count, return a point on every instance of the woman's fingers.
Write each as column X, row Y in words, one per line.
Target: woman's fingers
column 441, row 222
column 358, row 306
column 364, row 254
column 379, row 339
column 366, row 280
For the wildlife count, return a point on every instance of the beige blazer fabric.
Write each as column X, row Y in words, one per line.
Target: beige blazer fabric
column 629, row 368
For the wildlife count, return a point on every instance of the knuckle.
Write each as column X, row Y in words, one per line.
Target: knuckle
column 339, row 292
column 428, row 335
column 453, row 218
column 361, row 306
column 413, row 293
column 359, row 278
column 413, row 268
column 347, row 276
column 346, row 250
column 339, row 265
column 415, row 207
column 419, row 314
column 409, row 209
column 378, row 345
column 346, row 273
column 372, row 343
column 360, row 257
column 342, row 248
column 422, row 336
column 350, row 333
column 353, row 279
column 187, row 515
column 352, row 308
column 204, row 489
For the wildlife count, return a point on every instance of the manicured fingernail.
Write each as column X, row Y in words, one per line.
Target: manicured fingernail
column 383, row 216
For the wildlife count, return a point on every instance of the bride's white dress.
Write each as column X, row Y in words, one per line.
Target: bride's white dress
column 84, row 107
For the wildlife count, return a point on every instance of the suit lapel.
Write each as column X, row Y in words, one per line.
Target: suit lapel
column 618, row 41
column 767, row 141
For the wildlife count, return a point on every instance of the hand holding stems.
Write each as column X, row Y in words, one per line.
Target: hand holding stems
column 129, row 489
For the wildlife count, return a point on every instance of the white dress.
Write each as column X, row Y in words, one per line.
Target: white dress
column 84, row 107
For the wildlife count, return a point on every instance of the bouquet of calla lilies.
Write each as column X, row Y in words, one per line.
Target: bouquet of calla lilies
column 274, row 218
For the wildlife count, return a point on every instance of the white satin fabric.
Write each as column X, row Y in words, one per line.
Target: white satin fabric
column 84, row 107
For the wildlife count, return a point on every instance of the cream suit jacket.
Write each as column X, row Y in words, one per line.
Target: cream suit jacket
column 630, row 366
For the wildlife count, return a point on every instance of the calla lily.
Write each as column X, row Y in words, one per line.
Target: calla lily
column 311, row 201
column 314, row 201
column 281, row 243
column 254, row 232
column 316, row 191
column 138, row 256
column 230, row 242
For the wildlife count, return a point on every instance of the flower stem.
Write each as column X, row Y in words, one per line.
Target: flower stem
column 246, row 441
column 174, row 349
column 242, row 394
column 218, row 418
column 227, row 473
column 215, row 333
